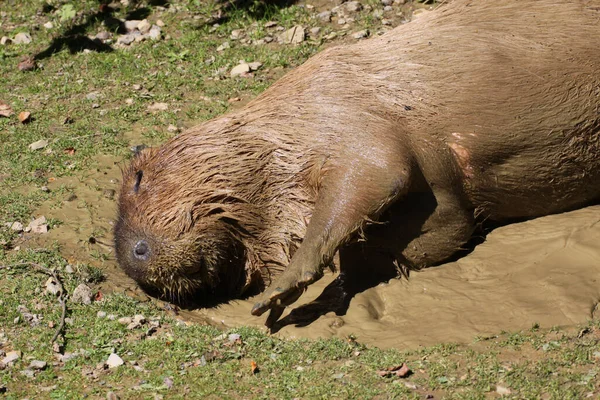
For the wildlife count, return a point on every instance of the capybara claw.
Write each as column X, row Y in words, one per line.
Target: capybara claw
column 260, row 308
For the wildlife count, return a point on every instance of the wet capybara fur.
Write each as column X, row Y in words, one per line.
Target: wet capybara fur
column 489, row 108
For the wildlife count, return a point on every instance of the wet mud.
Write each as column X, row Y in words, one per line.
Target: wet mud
column 544, row 271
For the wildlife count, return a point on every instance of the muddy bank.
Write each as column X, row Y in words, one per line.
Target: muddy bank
column 544, row 271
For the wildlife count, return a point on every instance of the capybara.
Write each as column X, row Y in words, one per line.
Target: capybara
column 490, row 108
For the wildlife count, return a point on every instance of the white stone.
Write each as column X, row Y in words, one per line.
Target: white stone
column 40, row 144
column 144, row 26
column 22, row 38
column 293, row 35
column 240, row 69
column 114, row 361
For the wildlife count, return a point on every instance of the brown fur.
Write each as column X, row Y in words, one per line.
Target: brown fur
column 493, row 108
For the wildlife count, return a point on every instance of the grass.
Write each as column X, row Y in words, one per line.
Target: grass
column 88, row 104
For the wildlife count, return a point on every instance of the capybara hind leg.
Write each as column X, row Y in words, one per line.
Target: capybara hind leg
column 451, row 222
column 350, row 195
column 444, row 232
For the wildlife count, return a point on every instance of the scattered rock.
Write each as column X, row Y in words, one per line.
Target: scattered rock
column 67, row 356
column 114, row 361
column 160, row 23
column 139, row 318
column 155, row 33
column 172, row 128
column 49, row 25
column 325, row 16
column 126, row 39
column 222, row 47
column 268, row 39
column 129, row 101
column 69, row 269
column 131, row 25
column 240, row 70
column 104, row 35
column 11, row 357
column 125, row 320
column 360, row 34
column 270, row 24
column 254, row 65
column 158, row 107
column 5, row 110
column 37, row 365
column 52, row 287
column 45, row 189
column 82, row 294
column 33, row 319
column 28, row 64
column 92, row 96
column 136, row 87
column 40, row 144
column 386, row 22
column 353, row 6
column 28, row 373
column 315, row 31
column 330, row 36
column 39, row 229
column 41, row 221
column 144, row 26
column 234, row 337
column 293, row 35
column 17, row 227
column 387, row 8
column 4, row 40
column 236, row 34
column 387, row 2
column 502, row 390
column 24, row 117
column 22, row 38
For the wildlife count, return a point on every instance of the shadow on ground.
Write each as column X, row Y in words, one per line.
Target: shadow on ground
column 74, row 37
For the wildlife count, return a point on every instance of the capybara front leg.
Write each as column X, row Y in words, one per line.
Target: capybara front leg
column 349, row 197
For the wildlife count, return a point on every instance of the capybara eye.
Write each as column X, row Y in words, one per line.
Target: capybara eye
column 141, row 250
column 138, row 180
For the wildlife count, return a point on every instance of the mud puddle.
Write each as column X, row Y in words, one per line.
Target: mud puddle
column 544, row 271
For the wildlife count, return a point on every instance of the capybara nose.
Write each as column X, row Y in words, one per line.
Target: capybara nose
column 141, row 250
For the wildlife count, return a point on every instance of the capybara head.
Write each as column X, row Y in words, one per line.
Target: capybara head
column 177, row 234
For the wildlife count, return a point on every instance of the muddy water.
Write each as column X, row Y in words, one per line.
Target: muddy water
column 544, row 271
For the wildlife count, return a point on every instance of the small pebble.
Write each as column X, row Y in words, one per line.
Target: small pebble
column 114, row 361
column 38, row 365
column 22, row 38
column 82, row 294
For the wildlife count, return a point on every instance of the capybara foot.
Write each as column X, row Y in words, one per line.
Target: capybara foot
column 288, row 288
